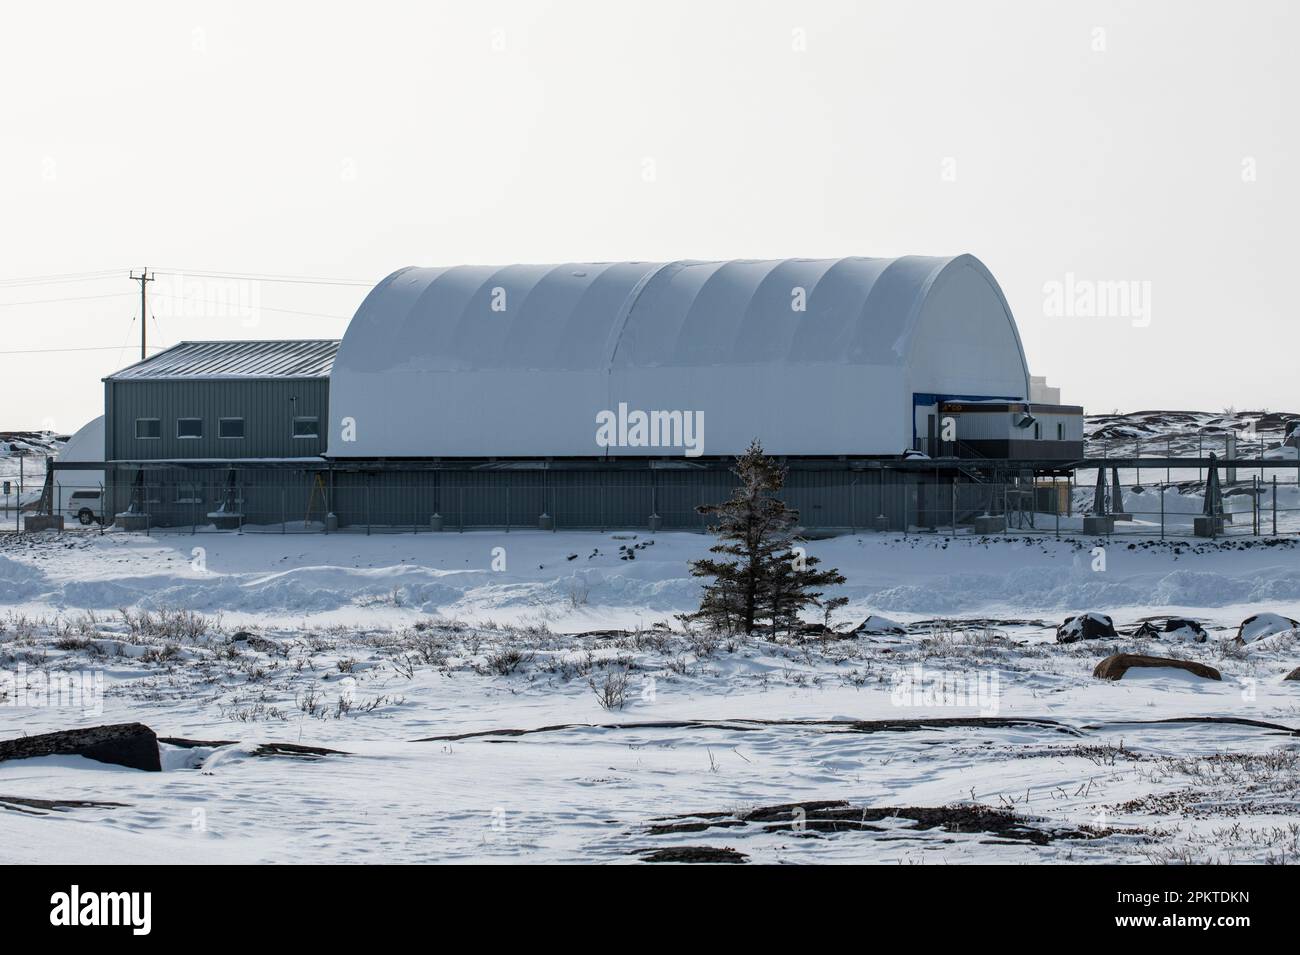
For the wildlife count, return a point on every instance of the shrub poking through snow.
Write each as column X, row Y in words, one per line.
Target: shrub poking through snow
column 768, row 580
column 1086, row 626
column 610, row 689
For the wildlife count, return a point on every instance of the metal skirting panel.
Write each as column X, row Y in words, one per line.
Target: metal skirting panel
column 596, row 499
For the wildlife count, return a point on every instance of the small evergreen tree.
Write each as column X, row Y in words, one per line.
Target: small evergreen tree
column 760, row 576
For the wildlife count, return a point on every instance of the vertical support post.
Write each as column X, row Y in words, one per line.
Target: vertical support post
column 1254, row 505
column 1162, row 512
column 1274, row 505
column 853, row 524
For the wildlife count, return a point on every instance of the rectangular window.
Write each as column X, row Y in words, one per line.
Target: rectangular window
column 1038, row 430
column 306, row 428
column 1060, row 431
column 230, row 427
column 189, row 427
column 148, row 428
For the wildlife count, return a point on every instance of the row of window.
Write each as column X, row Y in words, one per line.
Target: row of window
column 151, row 428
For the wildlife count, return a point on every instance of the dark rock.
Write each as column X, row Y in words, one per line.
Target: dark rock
column 184, row 743
column 707, row 854
column 1293, row 675
column 1086, row 626
column 1261, row 625
column 1174, row 628
column 877, row 625
column 41, row 807
column 133, row 745
column 253, row 641
column 1117, row 664
column 813, row 631
column 838, row 816
column 296, row 749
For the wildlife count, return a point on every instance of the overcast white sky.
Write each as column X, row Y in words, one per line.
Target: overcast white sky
column 1151, row 142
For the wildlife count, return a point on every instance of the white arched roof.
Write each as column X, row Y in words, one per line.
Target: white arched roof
column 812, row 356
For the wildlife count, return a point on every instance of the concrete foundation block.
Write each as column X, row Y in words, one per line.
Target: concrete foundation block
column 990, row 524
column 132, row 522
column 545, row 522
column 1207, row 526
column 1099, row 525
column 654, row 522
column 435, row 522
column 35, row 523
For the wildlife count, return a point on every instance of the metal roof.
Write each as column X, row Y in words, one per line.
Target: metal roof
column 311, row 358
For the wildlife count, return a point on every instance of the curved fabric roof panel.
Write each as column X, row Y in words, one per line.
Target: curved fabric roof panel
column 86, row 445
column 811, row 356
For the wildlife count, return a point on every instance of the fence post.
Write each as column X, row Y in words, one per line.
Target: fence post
column 284, row 514
column 1274, row 505
column 1162, row 512
column 1254, row 509
column 367, row 505
column 954, row 507
column 853, row 523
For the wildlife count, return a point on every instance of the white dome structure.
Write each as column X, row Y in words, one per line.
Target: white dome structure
column 814, row 357
column 86, row 445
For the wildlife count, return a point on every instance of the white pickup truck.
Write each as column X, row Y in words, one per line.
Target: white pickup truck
column 85, row 506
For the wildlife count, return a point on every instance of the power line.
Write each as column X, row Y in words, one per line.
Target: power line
column 60, row 278
column 256, row 277
column 75, row 298
column 259, row 307
column 102, row 274
column 50, row 351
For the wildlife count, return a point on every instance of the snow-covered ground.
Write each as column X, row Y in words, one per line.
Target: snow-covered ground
column 385, row 647
column 22, row 466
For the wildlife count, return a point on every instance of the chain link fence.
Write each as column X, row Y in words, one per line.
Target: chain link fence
column 829, row 502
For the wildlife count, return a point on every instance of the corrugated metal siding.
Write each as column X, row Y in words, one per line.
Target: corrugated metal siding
column 265, row 406
column 516, row 499
column 311, row 358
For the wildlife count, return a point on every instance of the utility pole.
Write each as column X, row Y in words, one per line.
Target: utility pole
column 143, row 278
